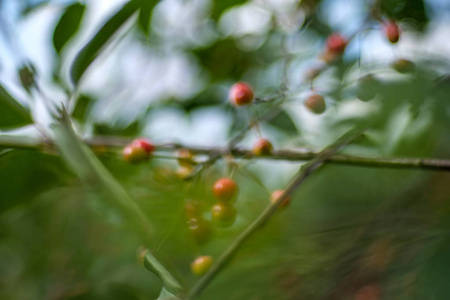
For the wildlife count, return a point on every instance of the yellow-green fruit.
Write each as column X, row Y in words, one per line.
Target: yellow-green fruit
column 200, row 229
column 201, row 265
column 223, row 214
column 403, row 65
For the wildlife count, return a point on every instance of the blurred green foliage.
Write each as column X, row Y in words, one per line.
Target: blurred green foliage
column 347, row 232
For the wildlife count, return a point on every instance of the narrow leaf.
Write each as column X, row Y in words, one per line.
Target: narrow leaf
column 95, row 176
column 97, row 179
column 12, row 114
column 145, row 15
column 94, row 47
column 170, row 284
column 68, row 25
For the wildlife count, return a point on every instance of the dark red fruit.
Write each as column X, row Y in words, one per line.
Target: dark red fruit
column 315, row 103
column 391, row 31
column 225, row 190
column 241, row 94
column 336, row 43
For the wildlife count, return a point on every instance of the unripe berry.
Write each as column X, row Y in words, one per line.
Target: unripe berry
column 193, row 208
column 225, row 190
column 276, row 195
column 403, row 65
column 241, row 94
column 201, row 265
column 134, row 154
column 391, row 31
column 336, row 43
column 315, row 103
column 184, row 172
column 200, row 229
column 139, row 150
column 367, row 88
column 262, row 147
column 223, row 214
column 185, row 158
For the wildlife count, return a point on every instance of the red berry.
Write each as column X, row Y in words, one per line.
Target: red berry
column 225, row 189
column 391, row 31
column 201, row 265
column 276, row 195
column 223, row 214
column 335, row 43
column 241, row 94
column 315, row 103
column 139, row 150
column 144, row 144
column 262, row 147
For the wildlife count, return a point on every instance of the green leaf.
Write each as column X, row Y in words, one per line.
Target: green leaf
column 116, row 129
column 82, row 107
column 406, row 9
column 171, row 285
column 145, row 15
column 68, row 25
column 24, row 174
column 12, row 114
column 95, row 46
column 432, row 280
column 284, row 123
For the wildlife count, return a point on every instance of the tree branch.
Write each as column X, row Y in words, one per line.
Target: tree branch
column 114, row 143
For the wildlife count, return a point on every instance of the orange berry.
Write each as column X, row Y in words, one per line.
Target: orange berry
column 276, row 195
column 262, row 147
column 225, row 189
column 241, row 94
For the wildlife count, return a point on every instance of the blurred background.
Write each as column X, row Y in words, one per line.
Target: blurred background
column 164, row 73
